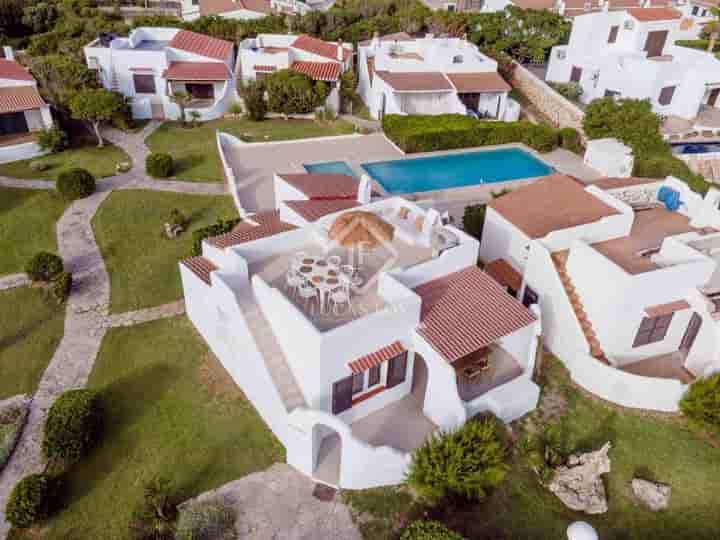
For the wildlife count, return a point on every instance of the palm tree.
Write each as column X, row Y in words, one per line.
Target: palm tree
column 182, row 100
column 712, row 28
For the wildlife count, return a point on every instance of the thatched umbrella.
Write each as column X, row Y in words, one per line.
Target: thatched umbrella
column 360, row 229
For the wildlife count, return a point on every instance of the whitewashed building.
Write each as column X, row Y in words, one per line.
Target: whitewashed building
column 631, row 54
column 250, row 9
column 625, row 272
column 420, row 339
column 153, row 64
column 22, row 110
column 432, row 75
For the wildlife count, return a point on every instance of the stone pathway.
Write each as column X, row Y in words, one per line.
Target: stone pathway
column 131, row 318
column 26, row 184
column 132, row 143
column 278, row 504
column 175, row 186
column 13, row 281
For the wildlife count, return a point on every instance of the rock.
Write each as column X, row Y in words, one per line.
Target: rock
column 579, row 485
column 653, row 495
column 172, row 231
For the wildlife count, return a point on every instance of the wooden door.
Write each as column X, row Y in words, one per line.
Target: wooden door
column 712, row 98
column 397, row 369
column 342, row 395
column 13, row 123
column 691, row 333
column 655, row 42
column 575, row 74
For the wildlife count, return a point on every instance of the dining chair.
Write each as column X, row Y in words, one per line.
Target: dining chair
column 334, row 260
column 292, row 281
column 339, row 297
column 307, row 292
column 347, row 269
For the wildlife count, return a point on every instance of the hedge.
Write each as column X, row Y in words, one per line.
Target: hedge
column 428, row 530
column 61, row 286
column 159, row 165
column 29, row 501
column 216, row 229
column 75, row 184
column 697, row 44
column 44, row 266
column 450, row 131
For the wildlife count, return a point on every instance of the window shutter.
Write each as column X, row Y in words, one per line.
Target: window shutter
column 575, row 74
column 397, row 368
column 342, row 395
column 666, row 95
column 612, row 38
column 374, row 376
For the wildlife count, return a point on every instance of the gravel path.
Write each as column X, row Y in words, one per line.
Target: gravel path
column 26, row 184
column 131, row 318
column 13, row 281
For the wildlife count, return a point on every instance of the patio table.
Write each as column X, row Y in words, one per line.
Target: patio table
column 321, row 275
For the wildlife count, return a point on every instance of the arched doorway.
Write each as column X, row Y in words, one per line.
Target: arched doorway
column 327, row 454
column 420, row 380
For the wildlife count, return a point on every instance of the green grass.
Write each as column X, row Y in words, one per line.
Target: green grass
column 100, row 162
column 170, row 411
column 663, row 449
column 141, row 261
column 30, row 330
column 27, row 225
column 195, row 152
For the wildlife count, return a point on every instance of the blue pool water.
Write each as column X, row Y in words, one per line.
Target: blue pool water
column 331, row 167
column 695, row 148
column 455, row 170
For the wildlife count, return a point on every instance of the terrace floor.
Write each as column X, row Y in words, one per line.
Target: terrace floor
column 503, row 368
column 17, row 138
column 664, row 366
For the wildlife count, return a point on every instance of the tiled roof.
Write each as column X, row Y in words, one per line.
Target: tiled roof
column 320, row 71
column 615, row 183
column 201, row 44
column 654, row 14
column 201, row 267
column 397, row 36
column 504, row 273
column 323, row 186
column 376, row 358
column 197, row 71
column 312, row 210
column 10, row 69
column 420, row 81
column 216, row 7
column 666, row 309
column 257, row 226
column 262, row 68
column 467, row 310
column 318, row 46
column 534, row 4
column 549, row 204
column 19, row 98
column 479, row 82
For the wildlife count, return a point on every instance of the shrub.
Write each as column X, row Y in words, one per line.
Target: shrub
column 235, row 108
column 570, row 139
column 44, row 266
column 466, row 462
column 569, row 90
column 701, row 403
column 177, row 219
column 75, row 184
column 697, row 44
column 38, row 166
column 53, row 139
column 153, row 520
column 29, row 501
column 195, row 117
column 294, row 93
column 253, row 94
column 428, row 530
column 217, row 228
column 61, row 286
column 159, row 165
column 73, row 426
column 474, row 220
column 206, row 521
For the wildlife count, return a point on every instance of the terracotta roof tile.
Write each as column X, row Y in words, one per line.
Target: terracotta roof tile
column 201, row 44
column 317, row 46
column 19, row 98
column 312, row 210
column 535, row 4
column 200, row 266
column 264, row 69
column 467, row 310
column 397, row 36
column 549, row 204
column 197, row 71
column 419, row 81
column 320, row 71
column 666, row 309
column 376, row 358
column 10, row 69
column 479, row 82
column 216, row 7
column 255, row 227
column 504, row 273
column 615, row 183
column 654, row 14
column 323, row 186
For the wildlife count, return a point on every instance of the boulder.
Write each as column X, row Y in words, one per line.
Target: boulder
column 172, row 231
column 653, row 495
column 578, row 483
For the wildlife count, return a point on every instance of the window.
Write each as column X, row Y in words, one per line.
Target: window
column 458, row 59
column 530, row 297
column 666, row 95
column 611, row 93
column 144, row 84
column 374, row 376
column 450, row 7
column 612, row 38
column 705, row 12
column 652, row 330
column 575, row 74
column 358, row 383
column 397, row 368
column 695, row 10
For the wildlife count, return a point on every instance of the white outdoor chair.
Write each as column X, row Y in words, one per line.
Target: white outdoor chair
column 347, row 270
column 307, row 292
column 334, row 260
column 292, row 281
column 297, row 260
column 339, row 297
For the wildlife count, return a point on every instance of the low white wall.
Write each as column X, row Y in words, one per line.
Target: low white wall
column 19, row 152
column 223, row 139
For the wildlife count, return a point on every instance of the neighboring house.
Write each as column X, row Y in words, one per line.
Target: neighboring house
column 22, row 110
column 230, row 9
column 426, row 341
column 320, row 60
column 629, row 291
column 457, row 5
column 631, row 54
column 153, row 64
column 432, row 75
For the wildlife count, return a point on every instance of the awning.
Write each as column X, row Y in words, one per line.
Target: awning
column 503, row 272
column 19, row 98
column 477, row 83
column 142, row 70
column 197, row 71
column 264, row 68
column 319, row 71
column 376, row 358
column 666, row 309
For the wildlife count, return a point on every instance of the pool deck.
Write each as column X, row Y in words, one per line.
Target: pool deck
column 255, row 164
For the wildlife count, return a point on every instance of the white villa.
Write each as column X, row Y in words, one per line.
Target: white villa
column 631, row 54
column 249, row 9
column 432, row 75
column 625, row 272
column 359, row 328
column 153, row 64
column 320, row 60
column 22, row 110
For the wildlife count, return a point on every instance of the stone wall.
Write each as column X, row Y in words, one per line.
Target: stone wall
column 559, row 110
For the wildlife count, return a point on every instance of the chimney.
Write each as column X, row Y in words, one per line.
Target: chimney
column 339, row 51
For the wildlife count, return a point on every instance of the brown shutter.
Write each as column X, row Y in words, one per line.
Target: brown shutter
column 575, row 74
column 342, row 395
column 666, row 95
column 397, row 369
column 655, row 42
column 612, row 38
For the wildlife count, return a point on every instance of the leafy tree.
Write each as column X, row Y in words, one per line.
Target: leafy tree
column 701, row 403
column 253, row 94
column 182, row 100
column 40, row 17
column 293, row 93
column 96, row 106
column 348, row 90
column 712, row 29
column 474, row 220
column 60, row 77
column 11, row 12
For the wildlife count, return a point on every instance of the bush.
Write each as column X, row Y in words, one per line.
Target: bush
column 570, row 139
column 61, row 286
column 44, row 266
column 177, row 219
column 75, row 184
column 428, row 530
column 216, row 229
column 206, row 521
column 29, row 501
column 701, row 403
column 53, row 139
column 73, row 426
column 153, row 520
column 159, row 165
column 697, row 44
column 294, row 93
column 253, row 94
column 474, row 220
column 467, row 462
column 39, row 166
column 235, row 108
column 570, row 90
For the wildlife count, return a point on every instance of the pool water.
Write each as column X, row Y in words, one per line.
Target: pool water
column 331, row 167
column 455, row 170
column 695, row 148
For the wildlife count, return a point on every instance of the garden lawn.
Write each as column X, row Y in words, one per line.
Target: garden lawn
column 195, row 151
column 30, row 330
column 27, row 225
column 171, row 411
column 141, row 261
column 100, row 162
column 661, row 449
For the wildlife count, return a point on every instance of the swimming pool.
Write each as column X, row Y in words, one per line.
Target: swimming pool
column 696, row 148
column 455, row 170
column 330, row 167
